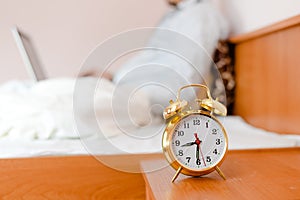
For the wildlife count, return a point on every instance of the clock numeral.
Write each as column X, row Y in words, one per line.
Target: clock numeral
column 196, row 121
column 218, row 141
column 186, row 125
column 180, row 133
column 206, row 124
column 177, row 142
column 188, row 159
column 198, row 162
column 214, row 131
column 180, row 153
column 215, row 151
column 208, row 159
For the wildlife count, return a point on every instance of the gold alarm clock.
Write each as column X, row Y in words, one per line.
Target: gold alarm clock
column 194, row 141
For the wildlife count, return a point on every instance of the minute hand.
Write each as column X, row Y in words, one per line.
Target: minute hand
column 197, row 152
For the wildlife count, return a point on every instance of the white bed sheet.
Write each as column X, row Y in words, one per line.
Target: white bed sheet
column 37, row 120
column 241, row 136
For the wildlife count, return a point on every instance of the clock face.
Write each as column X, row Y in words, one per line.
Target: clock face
column 198, row 142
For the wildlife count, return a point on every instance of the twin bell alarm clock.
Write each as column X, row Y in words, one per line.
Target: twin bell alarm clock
column 194, row 141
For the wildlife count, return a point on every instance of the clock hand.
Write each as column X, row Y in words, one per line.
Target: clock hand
column 197, row 152
column 202, row 155
column 188, row 144
column 198, row 142
column 197, row 139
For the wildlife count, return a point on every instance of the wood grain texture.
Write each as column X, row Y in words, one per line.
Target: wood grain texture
column 267, row 71
column 251, row 174
column 69, row 178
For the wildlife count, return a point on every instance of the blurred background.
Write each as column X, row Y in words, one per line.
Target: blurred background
column 64, row 32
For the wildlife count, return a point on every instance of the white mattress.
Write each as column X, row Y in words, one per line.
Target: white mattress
column 240, row 134
column 38, row 123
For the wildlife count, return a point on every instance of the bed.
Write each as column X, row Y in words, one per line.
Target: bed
column 38, row 124
column 241, row 136
column 267, row 69
column 268, row 124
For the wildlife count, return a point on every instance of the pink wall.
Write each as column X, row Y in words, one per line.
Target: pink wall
column 249, row 15
column 65, row 31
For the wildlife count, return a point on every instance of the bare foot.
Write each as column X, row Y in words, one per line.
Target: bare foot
column 94, row 73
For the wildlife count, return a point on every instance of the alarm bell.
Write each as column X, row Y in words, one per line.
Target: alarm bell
column 174, row 108
column 214, row 106
column 209, row 103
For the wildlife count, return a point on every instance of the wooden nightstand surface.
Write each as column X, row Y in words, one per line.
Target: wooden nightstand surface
column 251, row 174
column 71, row 177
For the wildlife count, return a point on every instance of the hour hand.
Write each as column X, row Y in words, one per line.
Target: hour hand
column 188, row 144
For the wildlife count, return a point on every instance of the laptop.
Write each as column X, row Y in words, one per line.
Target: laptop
column 29, row 56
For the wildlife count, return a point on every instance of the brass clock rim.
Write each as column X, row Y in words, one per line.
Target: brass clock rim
column 173, row 161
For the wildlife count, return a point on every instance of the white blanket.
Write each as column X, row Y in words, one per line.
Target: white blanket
column 240, row 134
column 45, row 110
column 37, row 120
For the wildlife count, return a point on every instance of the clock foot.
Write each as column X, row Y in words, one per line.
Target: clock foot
column 220, row 172
column 177, row 173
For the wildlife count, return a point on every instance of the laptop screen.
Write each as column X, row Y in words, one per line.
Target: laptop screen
column 28, row 55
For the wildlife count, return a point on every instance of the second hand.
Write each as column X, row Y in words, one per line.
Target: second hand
column 202, row 155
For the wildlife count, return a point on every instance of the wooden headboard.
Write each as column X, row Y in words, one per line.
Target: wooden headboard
column 267, row 68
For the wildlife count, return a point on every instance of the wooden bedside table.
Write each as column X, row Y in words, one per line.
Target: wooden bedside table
column 251, row 174
column 72, row 177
